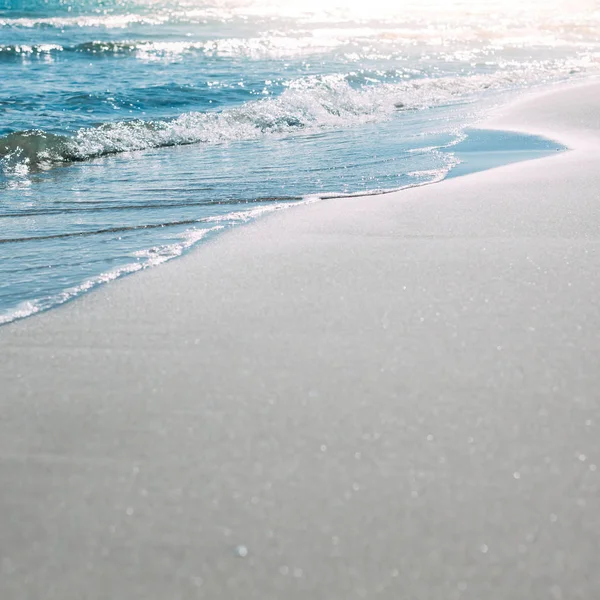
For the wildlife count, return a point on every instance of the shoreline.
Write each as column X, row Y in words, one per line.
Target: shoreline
column 476, row 149
column 385, row 396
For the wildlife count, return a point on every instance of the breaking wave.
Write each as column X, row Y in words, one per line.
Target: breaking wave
column 309, row 104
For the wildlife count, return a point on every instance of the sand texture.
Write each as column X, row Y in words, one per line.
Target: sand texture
column 389, row 397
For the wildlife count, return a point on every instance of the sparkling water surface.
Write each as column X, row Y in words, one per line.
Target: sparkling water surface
column 129, row 131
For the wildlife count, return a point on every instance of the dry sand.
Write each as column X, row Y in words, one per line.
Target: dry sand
column 388, row 397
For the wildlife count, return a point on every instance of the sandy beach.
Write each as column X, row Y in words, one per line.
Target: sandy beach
column 393, row 397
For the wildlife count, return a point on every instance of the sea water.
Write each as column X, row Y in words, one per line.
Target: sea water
column 130, row 130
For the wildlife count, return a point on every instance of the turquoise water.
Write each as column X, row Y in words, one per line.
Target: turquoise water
column 132, row 130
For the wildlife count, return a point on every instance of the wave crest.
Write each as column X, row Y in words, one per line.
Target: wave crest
column 310, row 104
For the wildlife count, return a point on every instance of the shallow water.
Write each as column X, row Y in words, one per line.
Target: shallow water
column 129, row 131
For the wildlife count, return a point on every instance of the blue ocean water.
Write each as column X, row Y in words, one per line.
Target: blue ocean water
column 132, row 129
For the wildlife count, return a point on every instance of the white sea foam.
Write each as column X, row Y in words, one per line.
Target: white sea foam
column 31, row 307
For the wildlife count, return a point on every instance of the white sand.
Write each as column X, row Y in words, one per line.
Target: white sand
column 388, row 397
